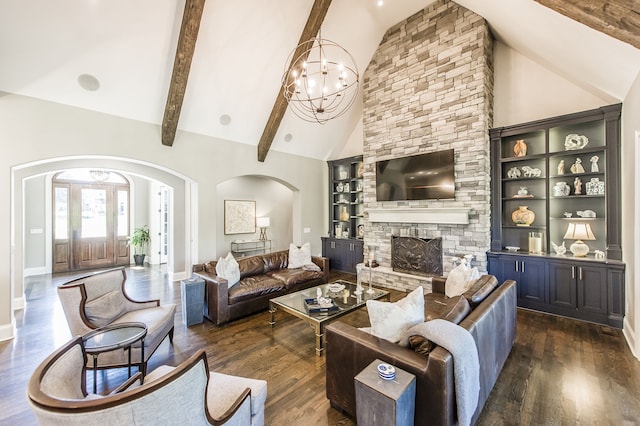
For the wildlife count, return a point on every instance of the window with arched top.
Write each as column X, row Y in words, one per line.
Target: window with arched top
column 90, row 219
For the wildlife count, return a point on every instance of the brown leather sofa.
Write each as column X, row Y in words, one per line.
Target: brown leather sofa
column 262, row 277
column 491, row 321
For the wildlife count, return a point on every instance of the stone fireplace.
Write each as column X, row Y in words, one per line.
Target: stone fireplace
column 429, row 87
column 418, row 256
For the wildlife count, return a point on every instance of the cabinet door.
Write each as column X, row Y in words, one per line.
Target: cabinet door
column 592, row 289
column 334, row 250
column 358, row 254
column 507, row 268
column 532, row 285
column 562, row 285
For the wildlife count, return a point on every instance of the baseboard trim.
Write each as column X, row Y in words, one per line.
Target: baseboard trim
column 630, row 337
column 8, row 331
column 18, row 303
column 177, row 276
column 29, row 272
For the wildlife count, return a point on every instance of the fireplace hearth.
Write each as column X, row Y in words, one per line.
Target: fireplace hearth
column 417, row 256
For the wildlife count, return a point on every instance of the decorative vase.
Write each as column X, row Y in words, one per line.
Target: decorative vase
column 560, row 189
column 523, row 216
column 344, row 215
column 520, row 148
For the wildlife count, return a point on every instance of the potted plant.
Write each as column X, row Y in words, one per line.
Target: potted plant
column 140, row 239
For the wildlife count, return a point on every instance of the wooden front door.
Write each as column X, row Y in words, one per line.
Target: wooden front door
column 90, row 225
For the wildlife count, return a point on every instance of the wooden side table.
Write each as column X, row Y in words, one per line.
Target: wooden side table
column 385, row 402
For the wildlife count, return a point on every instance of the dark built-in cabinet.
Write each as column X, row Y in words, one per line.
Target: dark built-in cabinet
column 344, row 246
column 566, row 170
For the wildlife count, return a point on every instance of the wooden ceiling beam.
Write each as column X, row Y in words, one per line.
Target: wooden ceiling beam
column 619, row 19
column 181, row 66
column 316, row 17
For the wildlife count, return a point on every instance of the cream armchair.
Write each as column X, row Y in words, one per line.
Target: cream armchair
column 98, row 299
column 188, row 394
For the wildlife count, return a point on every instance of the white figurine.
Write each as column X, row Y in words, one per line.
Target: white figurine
column 594, row 164
column 577, row 166
column 559, row 249
column 577, row 184
column 561, row 167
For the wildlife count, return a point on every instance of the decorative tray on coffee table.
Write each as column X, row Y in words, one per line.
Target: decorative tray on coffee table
column 313, row 307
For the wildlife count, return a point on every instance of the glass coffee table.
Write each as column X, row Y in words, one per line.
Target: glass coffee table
column 112, row 337
column 343, row 301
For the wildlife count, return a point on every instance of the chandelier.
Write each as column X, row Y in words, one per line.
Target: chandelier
column 99, row 176
column 321, row 81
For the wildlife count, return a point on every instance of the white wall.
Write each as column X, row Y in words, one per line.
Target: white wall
column 33, row 131
column 631, row 212
column 526, row 91
column 273, row 200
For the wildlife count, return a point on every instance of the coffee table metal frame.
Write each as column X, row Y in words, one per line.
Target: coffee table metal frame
column 293, row 303
column 112, row 337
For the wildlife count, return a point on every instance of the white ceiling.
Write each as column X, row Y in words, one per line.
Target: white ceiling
column 129, row 46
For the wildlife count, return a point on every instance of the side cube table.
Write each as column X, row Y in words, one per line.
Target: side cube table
column 192, row 294
column 385, row 402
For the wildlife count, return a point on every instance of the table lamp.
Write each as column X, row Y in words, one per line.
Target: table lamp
column 579, row 232
column 263, row 223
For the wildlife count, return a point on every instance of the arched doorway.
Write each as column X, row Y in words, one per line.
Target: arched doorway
column 90, row 218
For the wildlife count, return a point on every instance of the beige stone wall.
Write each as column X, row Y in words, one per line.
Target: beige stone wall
column 429, row 87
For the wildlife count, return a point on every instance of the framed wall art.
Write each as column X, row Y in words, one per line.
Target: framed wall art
column 239, row 217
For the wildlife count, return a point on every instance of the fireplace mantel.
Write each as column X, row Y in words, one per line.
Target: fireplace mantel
column 440, row 215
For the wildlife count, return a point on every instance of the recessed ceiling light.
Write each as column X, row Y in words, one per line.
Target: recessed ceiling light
column 88, row 82
column 380, row 2
column 225, row 119
column 288, row 137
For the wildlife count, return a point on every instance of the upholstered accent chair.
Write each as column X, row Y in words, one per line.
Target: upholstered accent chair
column 188, row 394
column 99, row 299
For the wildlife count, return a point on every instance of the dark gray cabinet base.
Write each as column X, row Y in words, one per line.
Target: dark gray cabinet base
column 585, row 289
column 344, row 254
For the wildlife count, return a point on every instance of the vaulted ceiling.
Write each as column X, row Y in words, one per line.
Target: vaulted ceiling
column 123, row 54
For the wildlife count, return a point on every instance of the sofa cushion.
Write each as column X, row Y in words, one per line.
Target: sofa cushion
column 104, row 309
column 390, row 320
column 277, row 260
column 298, row 257
column 292, row 277
column 421, row 344
column 252, row 265
column 253, row 286
column 458, row 311
column 481, row 289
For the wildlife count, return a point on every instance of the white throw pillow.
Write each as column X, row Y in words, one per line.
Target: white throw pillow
column 460, row 279
column 228, row 268
column 390, row 320
column 298, row 257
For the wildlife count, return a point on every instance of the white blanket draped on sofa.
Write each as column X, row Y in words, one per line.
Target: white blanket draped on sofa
column 466, row 367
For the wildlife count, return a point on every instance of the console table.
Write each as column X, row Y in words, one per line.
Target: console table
column 250, row 247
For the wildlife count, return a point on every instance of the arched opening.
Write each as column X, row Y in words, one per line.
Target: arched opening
column 181, row 225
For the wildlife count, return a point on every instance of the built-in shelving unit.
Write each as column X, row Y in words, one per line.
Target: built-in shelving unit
column 344, row 245
column 565, row 171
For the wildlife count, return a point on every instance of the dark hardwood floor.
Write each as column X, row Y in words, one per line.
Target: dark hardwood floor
column 560, row 371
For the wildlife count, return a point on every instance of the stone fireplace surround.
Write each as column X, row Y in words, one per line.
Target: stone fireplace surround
column 429, row 87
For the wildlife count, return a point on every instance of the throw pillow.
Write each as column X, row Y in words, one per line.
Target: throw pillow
column 104, row 309
column 390, row 320
column 228, row 268
column 460, row 279
column 298, row 257
column 311, row 267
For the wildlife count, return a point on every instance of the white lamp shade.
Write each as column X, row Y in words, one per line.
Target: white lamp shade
column 579, row 231
column 263, row 222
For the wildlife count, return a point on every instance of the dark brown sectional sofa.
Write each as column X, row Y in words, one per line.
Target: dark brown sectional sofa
column 490, row 317
column 262, row 277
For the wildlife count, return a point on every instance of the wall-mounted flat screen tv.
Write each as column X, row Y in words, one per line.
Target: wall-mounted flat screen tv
column 418, row 177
